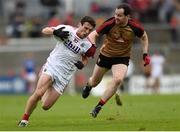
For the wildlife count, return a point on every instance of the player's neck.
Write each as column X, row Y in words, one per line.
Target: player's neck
column 123, row 24
column 78, row 34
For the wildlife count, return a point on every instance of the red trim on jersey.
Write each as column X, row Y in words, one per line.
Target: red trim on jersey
column 136, row 24
column 104, row 25
column 91, row 51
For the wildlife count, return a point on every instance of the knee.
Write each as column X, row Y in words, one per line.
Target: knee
column 38, row 95
column 45, row 107
column 117, row 81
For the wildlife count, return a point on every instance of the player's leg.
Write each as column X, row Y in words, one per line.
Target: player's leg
column 43, row 84
column 117, row 94
column 156, row 85
column 118, row 74
column 94, row 80
column 49, row 98
column 118, row 99
column 124, row 87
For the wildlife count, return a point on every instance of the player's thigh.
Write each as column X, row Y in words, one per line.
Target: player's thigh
column 98, row 73
column 119, row 71
column 50, row 97
column 44, row 82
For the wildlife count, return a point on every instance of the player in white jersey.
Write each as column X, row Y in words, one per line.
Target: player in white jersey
column 70, row 53
column 157, row 66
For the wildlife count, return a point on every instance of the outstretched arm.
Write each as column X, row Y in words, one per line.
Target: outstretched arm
column 144, row 42
column 47, row 30
column 57, row 32
column 93, row 36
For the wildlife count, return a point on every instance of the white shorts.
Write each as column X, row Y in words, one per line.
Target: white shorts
column 59, row 77
column 156, row 74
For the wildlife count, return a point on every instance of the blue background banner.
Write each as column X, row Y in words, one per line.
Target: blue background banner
column 13, row 84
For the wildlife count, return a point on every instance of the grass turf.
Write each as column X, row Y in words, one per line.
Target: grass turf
column 71, row 113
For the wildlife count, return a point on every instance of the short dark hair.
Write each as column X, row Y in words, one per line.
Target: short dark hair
column 89, row 20
column 127, row 8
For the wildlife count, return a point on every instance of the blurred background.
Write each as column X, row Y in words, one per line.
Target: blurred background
column 23, row 49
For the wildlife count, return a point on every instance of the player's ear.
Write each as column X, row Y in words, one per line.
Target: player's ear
column 128, row 16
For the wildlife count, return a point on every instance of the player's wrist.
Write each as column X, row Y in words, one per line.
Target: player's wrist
column 55, row 32
column 145, row 55
column 79, row 65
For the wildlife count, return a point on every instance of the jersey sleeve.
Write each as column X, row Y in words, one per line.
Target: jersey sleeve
column 106, row 26
column 59, row 26
column 137, row 28
column 91, row 51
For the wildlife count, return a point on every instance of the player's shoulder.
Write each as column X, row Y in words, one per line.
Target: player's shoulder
column 135, row 23
column 69, row 27
column 109, row 21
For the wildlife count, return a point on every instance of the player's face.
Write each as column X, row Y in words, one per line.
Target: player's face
column 120, row 18
column 84, row 30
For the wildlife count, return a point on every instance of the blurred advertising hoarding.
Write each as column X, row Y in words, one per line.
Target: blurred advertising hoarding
column 13, row 84
column 170, row 84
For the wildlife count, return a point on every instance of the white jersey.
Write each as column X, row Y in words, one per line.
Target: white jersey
column 61, row 60
column 157, row 62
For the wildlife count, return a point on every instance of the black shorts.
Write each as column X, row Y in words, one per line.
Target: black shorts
column 107, row 62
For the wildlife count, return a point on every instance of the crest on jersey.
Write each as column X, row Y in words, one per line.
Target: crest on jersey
column 83, row 44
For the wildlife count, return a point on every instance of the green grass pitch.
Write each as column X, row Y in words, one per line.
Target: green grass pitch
column 71, row 113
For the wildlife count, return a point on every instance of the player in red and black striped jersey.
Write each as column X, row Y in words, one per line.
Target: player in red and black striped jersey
column 115, row 52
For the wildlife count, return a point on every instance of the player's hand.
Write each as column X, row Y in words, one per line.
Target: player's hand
column 79, row 65
column 61, row 34
column 146, row 59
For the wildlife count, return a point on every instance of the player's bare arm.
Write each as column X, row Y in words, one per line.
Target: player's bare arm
column 144, row 42
column 84, row 60
column 57, row 32
column 47, row 31
column 93, row 36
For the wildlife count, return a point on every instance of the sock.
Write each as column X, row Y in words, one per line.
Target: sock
column 101, row 102
column 25, row 117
